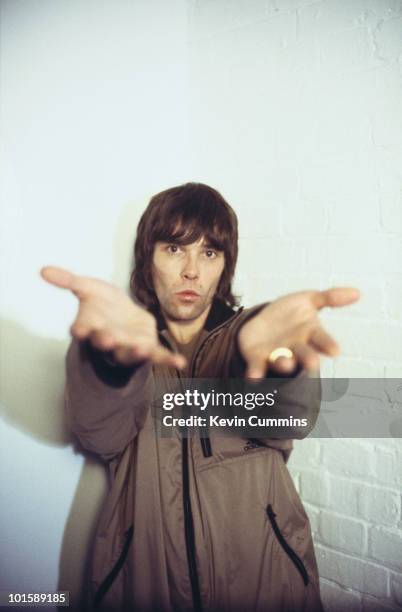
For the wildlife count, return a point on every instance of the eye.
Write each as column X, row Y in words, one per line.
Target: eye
column 172, row 248
column 210, row 254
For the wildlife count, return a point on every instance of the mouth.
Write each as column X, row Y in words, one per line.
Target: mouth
column 190, row 296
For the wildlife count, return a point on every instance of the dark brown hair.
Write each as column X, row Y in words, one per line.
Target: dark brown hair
column 182, row 215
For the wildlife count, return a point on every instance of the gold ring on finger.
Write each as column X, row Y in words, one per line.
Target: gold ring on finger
column 281, row 351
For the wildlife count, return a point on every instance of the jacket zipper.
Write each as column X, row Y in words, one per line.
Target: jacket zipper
column 288, row 550
column 188, row 515
column 111, row 577
column 189, row 530
column 206, row 447
column 189, row 534
column 206, row 442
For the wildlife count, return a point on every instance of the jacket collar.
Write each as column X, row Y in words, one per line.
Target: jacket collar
column 218, row 314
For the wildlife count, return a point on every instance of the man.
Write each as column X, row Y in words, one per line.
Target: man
column 193, row 523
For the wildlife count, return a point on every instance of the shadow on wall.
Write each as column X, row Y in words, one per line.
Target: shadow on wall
column 42, row 418
column 92, row 487
column 79, row 531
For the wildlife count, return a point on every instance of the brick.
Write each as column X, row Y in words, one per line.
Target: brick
column 314, row 487
column 350, row 175
column 388, row 466
column 208, row 19
column 286, row 255
column 388, row 39
column 353, row 95
column 347, row 367
column 356, row 338
column 355, row 417
column 387, row 126
column 385, row 546
column 313, row 515
column 352, row 572
column 391, row 213
column 385, row 113
column 372, row 300
column 336, row 599
column 282, row 181
column 247, row 220
column 396, row 588
column 372, row 503
column 392, row 445
column 393, row 298
column 320, row 18
column 286, row 5
column 306, row 453
column 344, row 496
column 357, row 254
column 347, row 50
column 371, row 604
column 342, row 533
column 296, row 479
column 379, row 505
column 389, row 181
column 326, row 367
column 347, row 458
column 365, row 409
column 303, row 281
column 348, row 217
column 318, row 259
column 306, row 217
column 259, row 288
column 384, row 9
column 339, row 129
column 394, row 254
column 393, row 370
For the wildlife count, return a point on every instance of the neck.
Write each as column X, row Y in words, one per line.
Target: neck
column 184, row 331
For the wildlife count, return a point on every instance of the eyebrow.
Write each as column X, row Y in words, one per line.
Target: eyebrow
column 206, row 245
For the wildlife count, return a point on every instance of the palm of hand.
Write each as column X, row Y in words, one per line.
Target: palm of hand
column 291, row 321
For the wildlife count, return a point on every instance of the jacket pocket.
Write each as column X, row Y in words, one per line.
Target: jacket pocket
column 288, row 550
column 112, row 575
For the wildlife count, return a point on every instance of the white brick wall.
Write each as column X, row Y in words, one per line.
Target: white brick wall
column 356, row 523
column 297, row 115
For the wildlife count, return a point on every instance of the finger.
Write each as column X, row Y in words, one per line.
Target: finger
column 58, row 276
column 284, row 365
column 129, row 355
column 335, row 297
column 307, row 356
column 102, row 340
column 256, row 367
column 83, row 327
column 80, row 331
column 162, row 355
column 324, row 343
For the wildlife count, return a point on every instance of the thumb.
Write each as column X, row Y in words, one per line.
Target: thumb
column 162, row 355
column 58, row 276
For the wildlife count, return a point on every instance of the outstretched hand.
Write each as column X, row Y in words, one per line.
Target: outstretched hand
column 111, row 320
column 291, row 322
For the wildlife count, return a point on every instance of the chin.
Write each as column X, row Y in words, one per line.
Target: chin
column 185, row 313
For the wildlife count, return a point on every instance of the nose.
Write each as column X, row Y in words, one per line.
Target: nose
column 190, row 269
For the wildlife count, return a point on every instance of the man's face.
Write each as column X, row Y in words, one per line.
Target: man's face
column 195, row 267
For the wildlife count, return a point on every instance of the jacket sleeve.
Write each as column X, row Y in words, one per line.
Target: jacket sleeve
column 299, row 394
column 106, row 404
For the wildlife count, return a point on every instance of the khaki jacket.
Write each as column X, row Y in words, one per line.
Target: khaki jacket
column 212, row 524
